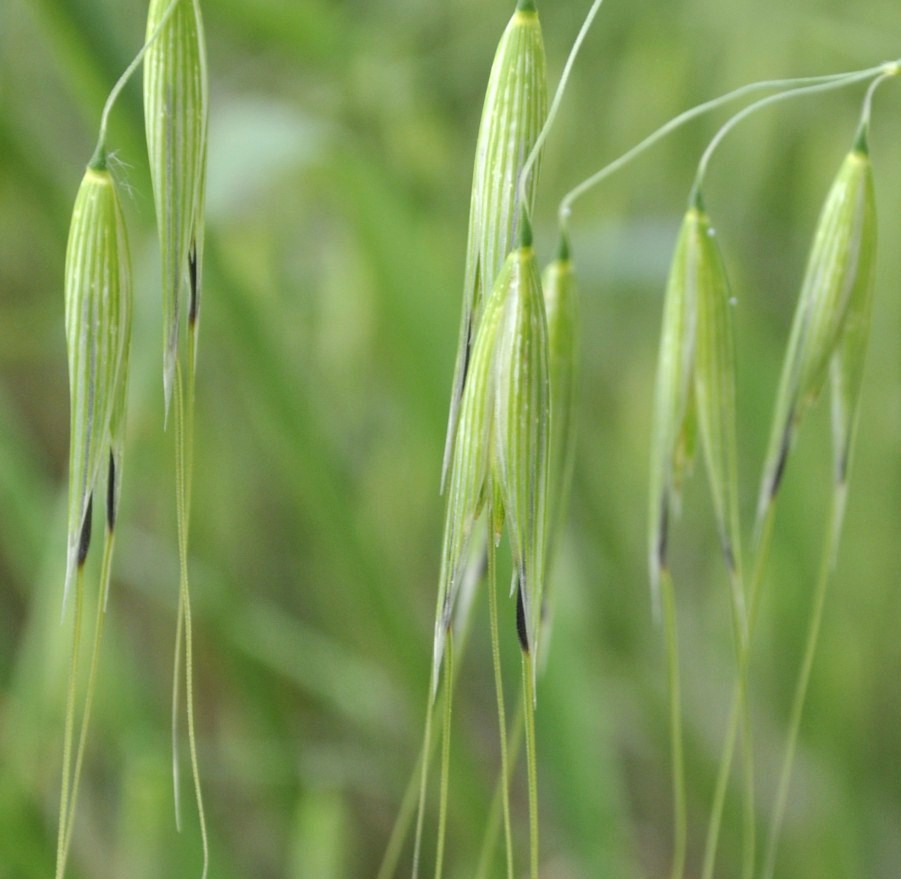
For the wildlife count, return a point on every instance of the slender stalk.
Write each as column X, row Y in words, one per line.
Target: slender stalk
column 402, row 823
column 528, row 700
column 176, row 685
column 105, row 570
column 735, row 713
column 99, row 158
column 407, row 809
column 499, row 689
column 848, row 79
column 740, row 639
column 608, row 170
column 501, row 790
column 675, row 700
column 423, row 780
column 445, row 752
column 185, row 602
column 813, row 632
column 69, row 727
column 555, row 103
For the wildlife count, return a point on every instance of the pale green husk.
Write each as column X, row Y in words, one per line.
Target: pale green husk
column 561, row 311
column 512, row 117
column 98, row 309
column 502, row 445
column 175, row 115
column 695, row 392
column 838, row 281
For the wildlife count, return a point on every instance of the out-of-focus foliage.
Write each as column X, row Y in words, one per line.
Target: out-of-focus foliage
column 341, row 146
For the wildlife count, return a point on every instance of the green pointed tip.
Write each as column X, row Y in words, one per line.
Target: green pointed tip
column 862, row 139
column 695, row 199
column 525, row 230
column 526, row 6
column 98, row 160
column 563, row 252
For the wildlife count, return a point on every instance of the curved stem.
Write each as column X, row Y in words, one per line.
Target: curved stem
column 407, row 810
column 99, row 157
column 813, row 632
column 736, row 711
column 890, row 71
column 176, row 686
column 687, row 116
column 445, row 751
column 105, row 570
column 64, row 801
column 839, row 82
column 555, row 103
column 499, row 689
column 677, row 755
column 424, row 776
column 528, row 699
column 492, row 827
column 185, row 601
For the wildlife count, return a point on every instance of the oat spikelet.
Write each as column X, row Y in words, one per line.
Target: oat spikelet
column 512, row 117
column 695, row 396
column 175, row 115
column 98, row 297
column 501, row 451
column 838, row 281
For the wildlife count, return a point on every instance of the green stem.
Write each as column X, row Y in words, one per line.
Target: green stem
column 105, row 570
column 185, row 602
column 69, row 728
column 813, row 632
column 408, row 809
column 501, row 792
column 499, row 689
column 675, row 700
column 740, row 638
column 528, row 699
column 424, row 775
column 445, row 752
column 687, row 116
column 838, row 82
column 98, row 160
column 736, row 711
column 176, row 681
column 555, row 103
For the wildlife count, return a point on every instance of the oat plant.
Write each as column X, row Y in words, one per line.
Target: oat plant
column 176, row 119
column 98, row 296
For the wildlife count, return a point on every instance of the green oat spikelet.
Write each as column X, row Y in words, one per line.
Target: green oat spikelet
column 98, row 308
column 838, row 281
column 512, row 116
column 562, row 313
column 695, row 395
column 847, row 365
column 501, row 452
column 175, row 115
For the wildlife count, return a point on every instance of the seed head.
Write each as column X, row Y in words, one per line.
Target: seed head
column 835, row 297
column 501, row 452
column 513, row 114
column 561, row 310
column 98, row 309
column 175, row 115
column 695, row 392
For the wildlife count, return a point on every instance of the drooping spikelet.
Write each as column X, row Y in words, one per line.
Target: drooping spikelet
column 695, row 393
column 561, row 310
column 837, row 288
column 175, row 115
column 501, row 451
column 513, row 114
column 98, row 309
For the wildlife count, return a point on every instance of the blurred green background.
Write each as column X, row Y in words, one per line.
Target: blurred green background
column 341, row 146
